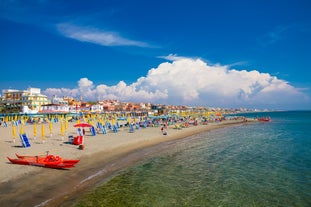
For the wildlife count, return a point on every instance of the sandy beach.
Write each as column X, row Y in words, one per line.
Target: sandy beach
column 103, row 155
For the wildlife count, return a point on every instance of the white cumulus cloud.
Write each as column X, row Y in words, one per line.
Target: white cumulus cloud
column 194, row 82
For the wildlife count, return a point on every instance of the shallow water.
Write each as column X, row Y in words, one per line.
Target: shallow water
column 261, row 164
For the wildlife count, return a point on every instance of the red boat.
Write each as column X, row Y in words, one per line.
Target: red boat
column 48, row 161
column 266, row 119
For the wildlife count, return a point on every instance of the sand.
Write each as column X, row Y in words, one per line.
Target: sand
column 103, row 155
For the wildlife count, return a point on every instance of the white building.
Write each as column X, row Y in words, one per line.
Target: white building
column 54, row 108
column 15, row 100
column 58, row 100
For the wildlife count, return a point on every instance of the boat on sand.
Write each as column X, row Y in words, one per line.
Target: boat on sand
column 48, row 161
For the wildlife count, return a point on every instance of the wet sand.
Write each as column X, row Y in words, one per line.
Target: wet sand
column 104, row 155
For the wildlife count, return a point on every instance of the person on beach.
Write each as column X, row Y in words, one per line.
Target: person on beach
column 163, row 131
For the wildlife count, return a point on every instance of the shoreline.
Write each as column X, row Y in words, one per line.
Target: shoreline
column 35, row 186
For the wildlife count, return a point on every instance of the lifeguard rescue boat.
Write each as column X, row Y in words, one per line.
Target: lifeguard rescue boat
column 48, row 161
column 265, row 119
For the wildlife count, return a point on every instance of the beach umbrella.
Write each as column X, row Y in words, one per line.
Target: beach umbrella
column 66, row 125
column 62, row 129
column 82, row 125
column 22, row 129
column 34, row 130
column 42, row 132
column 51, row 128
column 14, row 132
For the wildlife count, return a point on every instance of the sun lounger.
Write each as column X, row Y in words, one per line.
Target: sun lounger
column 93, row 131
column 104, row 129
column 24, row 140
column 115, row 129
column 109, row 126
column 79, row 131
column 101, row 127
column 131, row 128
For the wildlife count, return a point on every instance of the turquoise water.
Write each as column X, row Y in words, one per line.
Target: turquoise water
column 261, row 164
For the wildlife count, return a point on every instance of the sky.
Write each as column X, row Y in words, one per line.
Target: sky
column 229, row 54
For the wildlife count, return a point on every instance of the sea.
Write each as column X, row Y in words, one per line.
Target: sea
column 257, row 164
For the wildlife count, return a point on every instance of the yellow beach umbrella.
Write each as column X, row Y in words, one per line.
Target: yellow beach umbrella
column 42, row 132
column 66, row 126
column 92, row 123
column 22, row 131
column 14, row 132
column 62, row 129
column 51, row 128
column 34, row 130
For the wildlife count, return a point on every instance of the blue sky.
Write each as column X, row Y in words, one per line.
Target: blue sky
column 253, row 54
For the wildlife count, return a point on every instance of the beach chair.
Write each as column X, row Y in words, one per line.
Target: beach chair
column 93, row 131
column 79, row 132
column 115, row 129
column 98, row 125
column 24, row 140
column 5, row 124
column 131, row 128
column 108, row 125
column 103, row 128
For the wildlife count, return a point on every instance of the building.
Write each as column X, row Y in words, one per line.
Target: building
column 54, row 108
column 58, row 100
column 14, row 100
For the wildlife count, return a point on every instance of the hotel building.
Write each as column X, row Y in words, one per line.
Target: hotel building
column 14, row 100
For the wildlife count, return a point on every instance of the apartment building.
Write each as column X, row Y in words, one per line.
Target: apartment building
column 14, row 100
